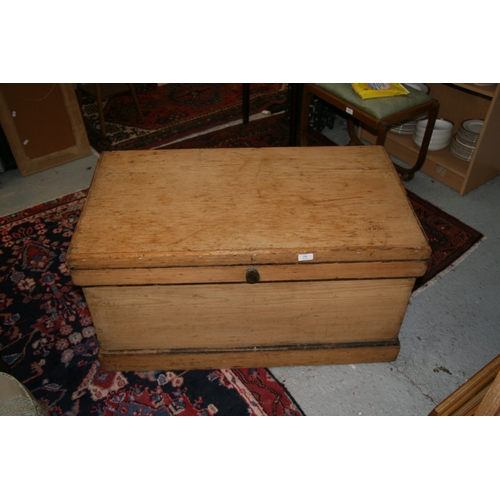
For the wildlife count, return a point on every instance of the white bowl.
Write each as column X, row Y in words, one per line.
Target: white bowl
column 419, row 86
column 441, row 127
column 435, row 148
column 434, row 145
column 434, row 139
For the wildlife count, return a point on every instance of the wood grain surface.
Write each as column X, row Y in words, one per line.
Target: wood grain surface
column 245, row 206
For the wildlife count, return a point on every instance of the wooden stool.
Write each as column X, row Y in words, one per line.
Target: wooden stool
column 378, row 114
column 103, row 90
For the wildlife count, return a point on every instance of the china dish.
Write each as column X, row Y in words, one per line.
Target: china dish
column 461, row 151
column 418, row 86
column 441, row 127
column 441, row 134
column 406, row 128
column 433, row 145
column 465, row 140
column 473, row 126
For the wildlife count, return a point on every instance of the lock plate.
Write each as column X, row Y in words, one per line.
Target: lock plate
column 252, row 276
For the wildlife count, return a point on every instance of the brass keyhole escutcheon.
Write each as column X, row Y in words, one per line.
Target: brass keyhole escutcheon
column 252, row 276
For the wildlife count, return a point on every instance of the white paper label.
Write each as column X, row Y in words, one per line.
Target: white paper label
column 306, row 256
column 349, row 110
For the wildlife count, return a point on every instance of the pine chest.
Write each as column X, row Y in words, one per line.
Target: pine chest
column 212, row 258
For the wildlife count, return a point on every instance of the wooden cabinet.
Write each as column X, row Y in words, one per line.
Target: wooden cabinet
column 458, row 102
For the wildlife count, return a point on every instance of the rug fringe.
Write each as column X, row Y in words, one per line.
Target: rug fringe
column 451, row 267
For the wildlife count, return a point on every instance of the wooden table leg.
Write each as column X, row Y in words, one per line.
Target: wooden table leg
column 296, row 90
column 246, row 103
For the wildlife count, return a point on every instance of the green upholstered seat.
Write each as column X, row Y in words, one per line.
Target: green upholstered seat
column 379, row 107
column 377, row 114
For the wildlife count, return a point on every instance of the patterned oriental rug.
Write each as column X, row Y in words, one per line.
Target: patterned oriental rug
column 449, row 238
column 48, row 340
column 172, row 111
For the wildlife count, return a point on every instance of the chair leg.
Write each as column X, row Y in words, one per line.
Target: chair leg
column 246, row 103
column 381, row 133
column 304, row 117
column 354, row 140
column 100, row 109
column 136, row 100
column 408, row 173
column 295, row 110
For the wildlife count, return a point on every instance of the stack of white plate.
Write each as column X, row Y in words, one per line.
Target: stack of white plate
column 441, row 135
column 407, row 128
column 464, row 142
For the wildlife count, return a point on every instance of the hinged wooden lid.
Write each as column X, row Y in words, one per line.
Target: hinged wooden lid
column 207, row 207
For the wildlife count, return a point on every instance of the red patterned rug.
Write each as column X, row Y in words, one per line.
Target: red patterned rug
column 172, row 111
column 448, row 237
column 273, row 131
column 48, row 340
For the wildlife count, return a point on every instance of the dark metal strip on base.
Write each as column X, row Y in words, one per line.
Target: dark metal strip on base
column 249, row 357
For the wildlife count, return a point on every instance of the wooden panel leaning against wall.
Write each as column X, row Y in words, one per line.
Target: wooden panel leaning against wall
column 43, row 125
column 479, row 396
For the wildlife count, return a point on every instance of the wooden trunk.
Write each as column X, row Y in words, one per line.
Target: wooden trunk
column 200, row 259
